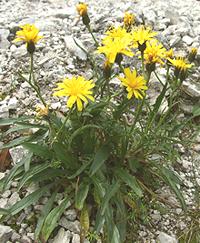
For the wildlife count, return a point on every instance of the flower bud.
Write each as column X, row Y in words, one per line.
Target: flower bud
column 107, row 69
column 31, row 47
column 82, row 9
column 128, row 20
column 142, row 47
column 192, row 54
column 119, row 58
column 42, row 111
column 150, row 67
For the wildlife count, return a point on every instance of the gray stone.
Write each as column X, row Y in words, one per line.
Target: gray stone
column 196, row 147
column 13, row 103
column 3, row 202
column 2, row 175
column 15, row 237
column 4, row 111
column 4, row 43
column 175, row 40
column 76, row 238
column 5, row 233
column 191, row 89
column 56, row 105
column 62, row 236
column 187, row 40
column 13, row 199
column 72, row 226
column 165, row 238
column 25, row 239
column 71, row 214
column 17, row 153
column 73, row 48
column 6, row 194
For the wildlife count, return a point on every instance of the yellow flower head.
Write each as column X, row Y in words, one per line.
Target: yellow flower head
column 82, row 9
column 77, row 89
column 135, row 85
column 154, row 52
column 28, row 33
column 42, row 110
column 128, row 19
column 180, row 64
column 142, row 34
column 116, row 41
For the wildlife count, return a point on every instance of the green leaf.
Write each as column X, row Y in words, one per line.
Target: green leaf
column 15, row 142
column 4, row 211
column 51, row 220
column 157, row 105
column 196, row 111
column 47, row 174
column 110, row 192
column 17, row 169
column 39, row 150
column 65, row 156
column 169, row 179
column 81, row 195
column 100, row 157
column 30, row 173
column 116, row 235
column 130, row 180
column 28, row 200
column 22, row 126
column 80, row 170
column 11, row 121
column 45, row 211
column 80, row 130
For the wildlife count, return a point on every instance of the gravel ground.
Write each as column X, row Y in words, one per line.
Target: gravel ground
column 178, row 24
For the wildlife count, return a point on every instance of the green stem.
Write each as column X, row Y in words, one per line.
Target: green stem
column 31, row 69
column 142, row 58
column 34, row 88
column 93, row 37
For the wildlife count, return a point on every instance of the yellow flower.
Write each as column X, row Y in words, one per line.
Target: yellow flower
column 135, row 85
column 154, row 52
column 77, row 89
column 128, row 19
column 116, row 41
column 28, row 33
column 180, row 64
column 141, row 35
column 42, row 110
column 81, row 8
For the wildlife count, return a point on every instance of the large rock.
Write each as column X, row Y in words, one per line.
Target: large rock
column 5, row 233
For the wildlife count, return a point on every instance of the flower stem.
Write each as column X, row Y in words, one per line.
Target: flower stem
column 93, row 37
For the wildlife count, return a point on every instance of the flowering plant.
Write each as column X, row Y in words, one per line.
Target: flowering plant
column 112, row 149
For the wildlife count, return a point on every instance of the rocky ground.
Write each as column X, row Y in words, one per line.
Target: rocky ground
column 178, row 24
